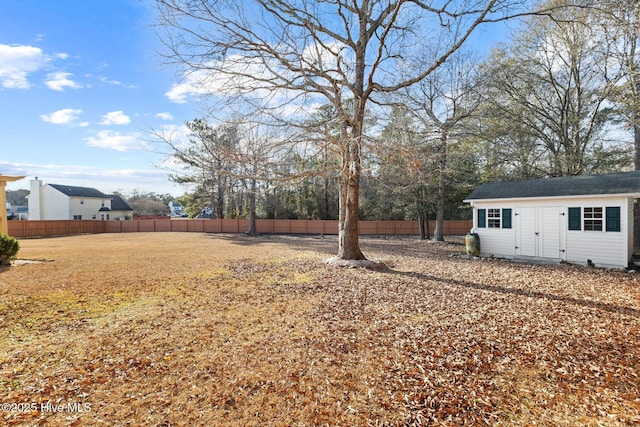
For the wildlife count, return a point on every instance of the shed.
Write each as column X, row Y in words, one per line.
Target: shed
column 585, row 219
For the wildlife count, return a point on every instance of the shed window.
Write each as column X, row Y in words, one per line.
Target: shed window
column 593, row 219
column 77, row 217
column 493, row 218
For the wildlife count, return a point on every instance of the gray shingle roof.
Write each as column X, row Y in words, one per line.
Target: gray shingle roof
column 72, row 191
column 118, row 203
column 582, row 185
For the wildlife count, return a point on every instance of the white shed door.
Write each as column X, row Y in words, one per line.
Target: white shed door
column 526, row 228
column 550, row 233
column 539, row 232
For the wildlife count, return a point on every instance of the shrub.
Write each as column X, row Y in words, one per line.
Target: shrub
column 8, row 249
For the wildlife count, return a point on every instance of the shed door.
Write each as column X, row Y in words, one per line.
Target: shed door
column 549, row 233
column 539, row 232
column 526, row 228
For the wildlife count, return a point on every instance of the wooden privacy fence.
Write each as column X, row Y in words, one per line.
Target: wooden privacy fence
column 265, row 226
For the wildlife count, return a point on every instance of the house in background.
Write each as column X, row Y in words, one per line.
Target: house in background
column 176, row 210
column 17, row 212
column 54, row 201
column 580, row 219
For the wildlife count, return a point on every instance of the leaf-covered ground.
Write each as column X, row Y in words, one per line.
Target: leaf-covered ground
column 171, row 329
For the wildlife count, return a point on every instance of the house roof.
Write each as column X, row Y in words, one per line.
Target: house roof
column 80, row 191
column 119, row 204
column 581, row 185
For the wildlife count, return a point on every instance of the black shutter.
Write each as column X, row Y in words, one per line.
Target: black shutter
column 613, row 218
column 482, row 218
column 506, row 218
column 575, row 219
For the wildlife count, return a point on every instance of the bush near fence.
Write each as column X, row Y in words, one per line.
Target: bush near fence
column 26, row 229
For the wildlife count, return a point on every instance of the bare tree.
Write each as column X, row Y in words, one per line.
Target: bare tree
column 441, row 103
column 256, row 159
column 619, row 21
column 554, row 82
column 301, row 53
column 405, row 165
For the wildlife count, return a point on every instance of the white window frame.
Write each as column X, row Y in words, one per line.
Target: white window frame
column 595, row 216
column 494, row 218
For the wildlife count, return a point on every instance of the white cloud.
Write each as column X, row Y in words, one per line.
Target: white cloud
column 194, row 84
column 115, row 118
column 12, row 168
column 104, row 79
column 16, row 62
column 238, row 76
column 65, row 116
column 62, row 55
column 60, row 80
column 117, row 141
column 164, row 116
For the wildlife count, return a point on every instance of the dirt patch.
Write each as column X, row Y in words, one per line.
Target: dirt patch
column 30, row 261
column 197, row 329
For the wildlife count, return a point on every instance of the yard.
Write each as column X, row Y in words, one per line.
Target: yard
column 186, row 329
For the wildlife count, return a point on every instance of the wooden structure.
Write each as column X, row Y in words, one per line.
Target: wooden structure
column 4, row 227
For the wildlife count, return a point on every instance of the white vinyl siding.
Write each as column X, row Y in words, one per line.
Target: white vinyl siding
column 502, row 241
column 54, row 204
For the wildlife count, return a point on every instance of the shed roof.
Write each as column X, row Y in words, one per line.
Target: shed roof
column 581, row 185
column 72, row 191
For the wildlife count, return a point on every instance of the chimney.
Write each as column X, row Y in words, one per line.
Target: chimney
column 35, row 200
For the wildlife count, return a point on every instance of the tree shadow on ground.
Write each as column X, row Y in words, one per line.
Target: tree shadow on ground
column 320, row 243
column 529, row 293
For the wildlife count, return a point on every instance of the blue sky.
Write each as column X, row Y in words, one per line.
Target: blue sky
column 81, row 90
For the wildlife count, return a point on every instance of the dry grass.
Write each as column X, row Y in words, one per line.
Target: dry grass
column 191, row 329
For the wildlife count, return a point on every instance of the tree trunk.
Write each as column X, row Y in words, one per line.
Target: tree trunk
column 636, row 139
column 325, row 214
column 636, row 205
column 252, row 208
column 220, row 202
column 438, row 234
column 423, row 222
column 348, row 237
